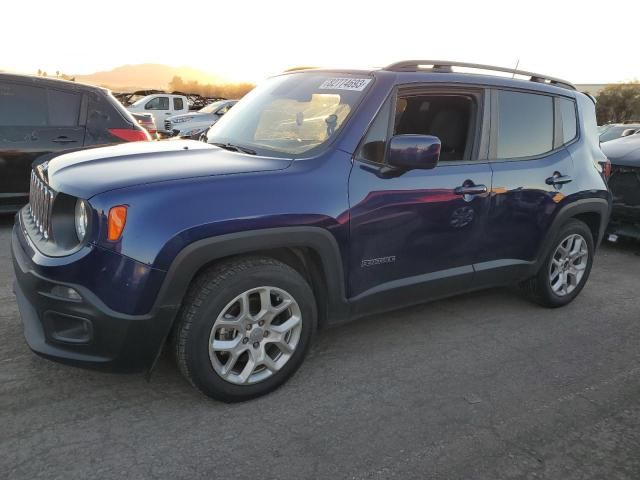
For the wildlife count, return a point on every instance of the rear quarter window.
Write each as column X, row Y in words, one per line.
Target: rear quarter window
column 569, row 120
column 64, row 108
column 524, row 124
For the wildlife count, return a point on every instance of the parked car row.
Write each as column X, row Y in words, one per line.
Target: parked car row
column 172, row 115
column 40, row 116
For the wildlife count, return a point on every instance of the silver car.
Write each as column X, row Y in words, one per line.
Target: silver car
column 193, row 124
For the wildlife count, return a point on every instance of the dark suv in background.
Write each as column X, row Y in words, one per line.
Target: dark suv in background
column 42, row 116
column 323, row 195
column 624, row 182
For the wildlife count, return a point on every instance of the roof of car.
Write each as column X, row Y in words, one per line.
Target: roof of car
column 434, row 71
column 48, row 81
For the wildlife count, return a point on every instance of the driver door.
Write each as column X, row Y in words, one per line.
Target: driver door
column 416, row 233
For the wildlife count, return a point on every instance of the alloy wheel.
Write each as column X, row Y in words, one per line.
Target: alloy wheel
column 568, row 264
column 255, row 335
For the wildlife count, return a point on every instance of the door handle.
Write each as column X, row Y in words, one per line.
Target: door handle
column 64, row 140
column 558, row 179
column 470, row 190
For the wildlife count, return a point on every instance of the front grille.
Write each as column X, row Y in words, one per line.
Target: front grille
column 167, row 125
column 40, row 203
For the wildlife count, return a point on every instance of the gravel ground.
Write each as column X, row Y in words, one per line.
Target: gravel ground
column 481, row 386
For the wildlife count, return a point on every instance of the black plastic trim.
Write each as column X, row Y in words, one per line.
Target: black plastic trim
column 194, row 256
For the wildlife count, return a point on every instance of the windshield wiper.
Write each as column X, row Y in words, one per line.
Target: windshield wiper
column 234, row 148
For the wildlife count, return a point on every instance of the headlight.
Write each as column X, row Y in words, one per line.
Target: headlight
column 81, row 219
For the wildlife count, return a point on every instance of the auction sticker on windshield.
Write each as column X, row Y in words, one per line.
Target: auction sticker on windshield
column 357, row 84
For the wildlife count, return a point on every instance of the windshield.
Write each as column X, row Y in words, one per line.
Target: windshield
column 290, row 115
column 614, row 132
column 212, row 107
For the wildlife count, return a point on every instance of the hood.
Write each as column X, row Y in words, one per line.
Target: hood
column 88, row 172
column 193, row 116
column 623, row 151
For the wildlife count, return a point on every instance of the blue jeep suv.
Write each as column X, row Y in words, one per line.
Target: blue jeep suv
column 323, row 195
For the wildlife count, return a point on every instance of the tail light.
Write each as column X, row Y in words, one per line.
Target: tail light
column 130, row 135
column 606, row 169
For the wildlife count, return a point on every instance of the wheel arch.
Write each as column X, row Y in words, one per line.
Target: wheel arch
column 594, row 212
column 312, row 251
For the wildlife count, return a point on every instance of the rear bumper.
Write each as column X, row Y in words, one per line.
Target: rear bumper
column 79, row 329
column 625, row 221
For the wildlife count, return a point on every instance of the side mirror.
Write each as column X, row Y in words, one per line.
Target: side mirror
column 628, row 131
column 409, row 152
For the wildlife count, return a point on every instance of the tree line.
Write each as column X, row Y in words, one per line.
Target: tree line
column 230, row 90
column 618, row 103
column 59, row 74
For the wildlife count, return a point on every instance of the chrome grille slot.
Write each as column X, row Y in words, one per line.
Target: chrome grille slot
column 167, row 125
column 41, row 198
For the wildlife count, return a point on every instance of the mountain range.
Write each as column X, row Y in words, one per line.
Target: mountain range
column 146, row 76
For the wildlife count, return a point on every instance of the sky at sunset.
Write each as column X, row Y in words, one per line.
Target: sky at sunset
column 584, row 42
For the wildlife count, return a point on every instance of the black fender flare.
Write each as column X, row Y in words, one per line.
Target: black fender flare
column 600, row 206
column 194, row 256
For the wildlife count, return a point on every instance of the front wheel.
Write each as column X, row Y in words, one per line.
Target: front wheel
column 566, row 269
column 245, row 328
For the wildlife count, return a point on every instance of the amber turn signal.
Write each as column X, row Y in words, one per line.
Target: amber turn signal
column 117, row 219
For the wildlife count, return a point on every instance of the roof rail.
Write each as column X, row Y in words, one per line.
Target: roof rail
column 443, row 66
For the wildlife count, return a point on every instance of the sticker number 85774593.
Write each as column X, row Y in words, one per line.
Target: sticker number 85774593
column 356, row 84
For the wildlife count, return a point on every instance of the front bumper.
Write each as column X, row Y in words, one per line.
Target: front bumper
column 80, row 329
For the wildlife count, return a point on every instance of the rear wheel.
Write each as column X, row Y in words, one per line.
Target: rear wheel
column 566, row 269
column 245, row 328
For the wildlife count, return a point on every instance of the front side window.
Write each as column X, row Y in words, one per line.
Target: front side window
column 446, row 116
column 525, row 124
column 22, row 105
column 158, row 103
column 291, row 115
column 224, row 109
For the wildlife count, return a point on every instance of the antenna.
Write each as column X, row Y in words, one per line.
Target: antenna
column 515, row 69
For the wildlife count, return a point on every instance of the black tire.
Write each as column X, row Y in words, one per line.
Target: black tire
column 210, row 292
column 538, row 288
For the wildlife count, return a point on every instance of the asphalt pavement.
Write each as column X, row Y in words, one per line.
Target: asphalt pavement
column 481, row 386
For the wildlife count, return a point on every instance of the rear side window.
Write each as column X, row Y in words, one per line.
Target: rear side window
column 64, row 108
column 525, row 124
column 568, row 116
column 178, row 104
column 22, row 105
column 158, row 103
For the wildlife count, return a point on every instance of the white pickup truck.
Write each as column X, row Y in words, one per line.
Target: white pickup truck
column 161, row 106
